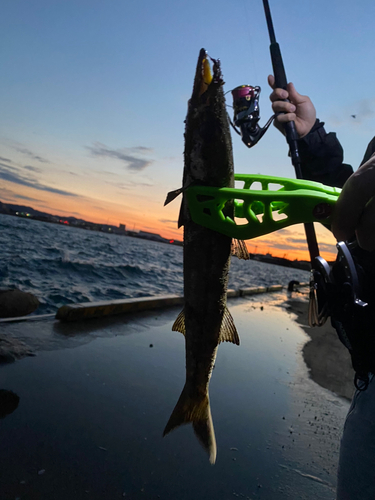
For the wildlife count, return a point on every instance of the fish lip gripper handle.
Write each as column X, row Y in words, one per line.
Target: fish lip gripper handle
column 263, row 210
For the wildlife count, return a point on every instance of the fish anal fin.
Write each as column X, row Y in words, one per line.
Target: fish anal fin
column 179, row 324
column 228, row 330
column 239, row 249
column 193, row 407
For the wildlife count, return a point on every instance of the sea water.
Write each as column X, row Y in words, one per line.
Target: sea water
column 63, row 265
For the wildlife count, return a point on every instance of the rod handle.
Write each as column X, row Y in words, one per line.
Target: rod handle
column 281, row 83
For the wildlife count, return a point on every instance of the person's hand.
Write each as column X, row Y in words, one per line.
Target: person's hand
column 300, row 109
column 354, row 212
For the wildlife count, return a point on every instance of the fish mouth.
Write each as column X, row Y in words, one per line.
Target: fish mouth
column 205, row 76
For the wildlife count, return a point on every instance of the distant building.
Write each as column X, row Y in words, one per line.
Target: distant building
column 151, row 236
column 122, row 227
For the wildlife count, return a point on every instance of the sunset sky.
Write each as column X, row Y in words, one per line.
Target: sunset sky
column 93, row 97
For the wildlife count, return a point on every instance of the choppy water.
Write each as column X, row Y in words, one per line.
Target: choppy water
column 62, row 265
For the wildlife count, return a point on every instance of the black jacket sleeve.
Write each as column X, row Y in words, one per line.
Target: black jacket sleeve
column 369, row 151
column 322, row 157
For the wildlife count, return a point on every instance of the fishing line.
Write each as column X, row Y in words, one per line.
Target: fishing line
column 248, row 23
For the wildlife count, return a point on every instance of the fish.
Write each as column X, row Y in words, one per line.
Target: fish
column 205, row 320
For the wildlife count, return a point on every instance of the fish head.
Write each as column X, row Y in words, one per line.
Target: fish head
column 208, row 156
column 207, row 79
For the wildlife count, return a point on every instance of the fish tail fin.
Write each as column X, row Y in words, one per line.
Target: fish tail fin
column 195, row 408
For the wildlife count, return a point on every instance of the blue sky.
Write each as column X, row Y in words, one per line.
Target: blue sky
column 93, row 94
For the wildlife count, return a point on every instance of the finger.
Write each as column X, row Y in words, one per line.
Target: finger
column 283, row 107
column 271, row 81
column 286, row 117
column 297, row 98
column 293, row 94
column 347, row 211
column 278, row 95
column 366, row 228
column 280, row 127
column 356, row 193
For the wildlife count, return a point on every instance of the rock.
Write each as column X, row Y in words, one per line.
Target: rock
column 12, row 349
column 14, row 303
column 8, row 402
column 291, row 285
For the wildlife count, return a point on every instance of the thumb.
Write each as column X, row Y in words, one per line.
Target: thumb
column 294, row 96
column 271, row 81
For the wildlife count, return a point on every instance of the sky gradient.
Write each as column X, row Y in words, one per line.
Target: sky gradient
column 93, row 98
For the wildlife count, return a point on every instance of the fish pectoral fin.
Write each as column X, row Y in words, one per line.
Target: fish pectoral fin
column 195, row 408
column 239, row 249
column 172, row 195
column 228, row 330
column 179, row 324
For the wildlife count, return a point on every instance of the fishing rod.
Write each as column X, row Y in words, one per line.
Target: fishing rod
column 290, row 128
column 246, row 120
column 333, row 291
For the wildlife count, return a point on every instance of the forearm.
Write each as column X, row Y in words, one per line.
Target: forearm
column 322, row 157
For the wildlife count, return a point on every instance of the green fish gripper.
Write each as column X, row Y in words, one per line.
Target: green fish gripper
column 264, row 204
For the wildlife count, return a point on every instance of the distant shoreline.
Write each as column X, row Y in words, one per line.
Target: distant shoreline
column 29, row 213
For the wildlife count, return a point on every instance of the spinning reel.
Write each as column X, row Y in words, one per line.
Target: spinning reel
column 246, row 114
column 335, row 291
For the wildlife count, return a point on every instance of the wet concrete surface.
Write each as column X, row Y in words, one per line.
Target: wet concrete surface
column 328, row 360
column 95, row 400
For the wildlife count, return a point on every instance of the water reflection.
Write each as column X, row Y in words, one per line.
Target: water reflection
column 92, row 415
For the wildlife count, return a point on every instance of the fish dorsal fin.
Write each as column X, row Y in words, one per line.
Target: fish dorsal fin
column 179, row 324
column 239, row 249
column 228, row 330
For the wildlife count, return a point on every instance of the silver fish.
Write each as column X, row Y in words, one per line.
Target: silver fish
column 205, row 320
